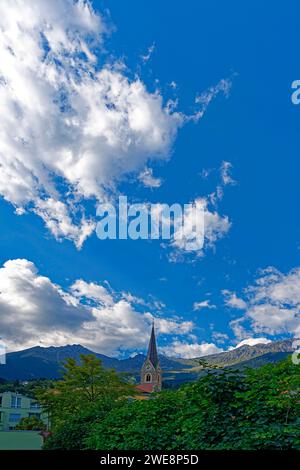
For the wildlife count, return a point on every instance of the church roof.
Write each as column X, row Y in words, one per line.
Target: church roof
column 152, row 351
column 145, row 388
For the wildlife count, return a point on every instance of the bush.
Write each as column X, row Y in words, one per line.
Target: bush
column 256, row 409
column 139, row 425
column 71, row 434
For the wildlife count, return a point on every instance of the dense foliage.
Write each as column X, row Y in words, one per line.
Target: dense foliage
column 223, row 410
column 93, row 408
column 85, row 395
column 31, row 423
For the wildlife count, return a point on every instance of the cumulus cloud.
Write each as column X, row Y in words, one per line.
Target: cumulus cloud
column 219, row 337
column 271, row 305
column 239, row 328
column 167, row 326
column 72, row 123
column 231, row 300
column 215, row 227
column 203, row 304
column 31, row 304
column 190, row 229
column 92, row 292
column 69, row 128
column 190, row 350
column 34, row 310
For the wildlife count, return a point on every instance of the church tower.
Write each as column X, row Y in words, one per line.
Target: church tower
column 151, row 371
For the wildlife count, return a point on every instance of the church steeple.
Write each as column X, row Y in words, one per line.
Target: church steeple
column 151, row 371
column 152, row 350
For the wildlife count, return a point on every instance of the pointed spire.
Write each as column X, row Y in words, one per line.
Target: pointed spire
column 152, row 351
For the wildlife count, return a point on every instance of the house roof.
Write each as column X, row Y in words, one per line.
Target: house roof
column 146, row 388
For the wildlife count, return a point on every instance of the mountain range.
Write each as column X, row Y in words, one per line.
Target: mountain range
column 245, row 353
column 40, row 362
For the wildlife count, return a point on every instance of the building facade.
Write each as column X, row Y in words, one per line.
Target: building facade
column 151, row 373
column 14, row 407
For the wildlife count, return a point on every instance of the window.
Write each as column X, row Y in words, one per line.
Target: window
column 36, row 415
column 34, row 405
column 14, row 417
column 148, row 377
column 15, row 402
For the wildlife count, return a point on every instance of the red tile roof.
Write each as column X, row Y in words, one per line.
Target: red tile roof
column 146, row 388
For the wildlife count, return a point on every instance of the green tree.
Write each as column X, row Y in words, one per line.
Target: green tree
column 140, row 425
column 31, row 423
column 70, row 434
column 25, row 388
column 271, row 408
column 85, row 394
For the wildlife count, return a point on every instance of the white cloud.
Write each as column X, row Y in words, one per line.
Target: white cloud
column 148, row 180
column 252, row 342
column 226, row 179
column 58, row 220
column 215, row 228
column 167, row 326
column 203, row 304
column 272, row 304
column 34, row 311
column 271, row 319
column 92, row 291
column 231, row 300
column 31, row 304
column 146, row 57
column 204, row 174
column 71, row 127
column 208, row 95
column 219, row 337
column 190, row 350
column 225, row 170
column 238, row 328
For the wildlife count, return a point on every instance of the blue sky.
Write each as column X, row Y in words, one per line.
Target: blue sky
column 254, row 128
